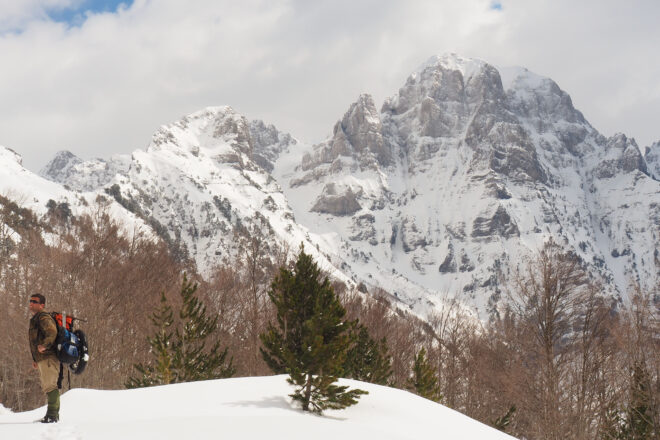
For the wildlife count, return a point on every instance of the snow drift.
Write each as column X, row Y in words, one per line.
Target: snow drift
column 241, row 408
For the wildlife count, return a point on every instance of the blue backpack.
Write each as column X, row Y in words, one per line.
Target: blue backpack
column 70, row 346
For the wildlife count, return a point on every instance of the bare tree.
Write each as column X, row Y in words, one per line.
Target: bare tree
column 545, row 295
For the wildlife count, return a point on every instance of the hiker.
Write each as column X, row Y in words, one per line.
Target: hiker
column 43, row 333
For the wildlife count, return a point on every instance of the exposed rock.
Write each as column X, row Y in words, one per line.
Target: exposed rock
column 411, row 237
column 363, row 130
column 61, row 166
column 623, row 155
column 498, row 190
column 363, row 229
column 268, row 143
column 466, row 264
column 358, row 135
column 652, row 157
column 449, row 264
column 499, row 224
column 79, row 175
column 229, row 124
column 337, row 200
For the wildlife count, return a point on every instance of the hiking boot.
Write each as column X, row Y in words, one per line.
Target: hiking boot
column 50, row 419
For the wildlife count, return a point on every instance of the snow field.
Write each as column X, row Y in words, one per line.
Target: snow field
column 241, row 408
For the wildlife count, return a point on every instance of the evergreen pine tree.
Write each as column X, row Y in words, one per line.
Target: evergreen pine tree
column 612, row 426
column 503, row 422
column 310, row 339
column 368, row 360
column 181, row 355
column 638, row 424
column 191, row 358
column 424, row 380
column 160, row 372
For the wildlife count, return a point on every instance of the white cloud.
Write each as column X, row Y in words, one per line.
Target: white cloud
column 15, row 14
column 105, row 86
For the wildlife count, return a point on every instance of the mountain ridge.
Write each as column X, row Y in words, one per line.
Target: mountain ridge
column 458, row 179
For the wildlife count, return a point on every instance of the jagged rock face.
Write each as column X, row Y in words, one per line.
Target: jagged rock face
column 340, row 201
column 622, row 155
column 652, row 158
column 497, row 224
column 362, row 129
column 484, row 167
column 268, row 143
column 457, row 103
column 357, row 138
column 60, row 167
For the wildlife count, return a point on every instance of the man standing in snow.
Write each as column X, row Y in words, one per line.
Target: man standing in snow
column 43, row 333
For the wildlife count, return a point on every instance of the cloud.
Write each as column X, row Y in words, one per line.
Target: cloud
column 106, row 85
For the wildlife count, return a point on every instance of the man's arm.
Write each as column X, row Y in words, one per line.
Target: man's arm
column 49, row 332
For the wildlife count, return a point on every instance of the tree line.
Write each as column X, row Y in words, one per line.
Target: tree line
column 560, row 361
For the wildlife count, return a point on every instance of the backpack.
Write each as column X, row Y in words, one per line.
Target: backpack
column 70, row 346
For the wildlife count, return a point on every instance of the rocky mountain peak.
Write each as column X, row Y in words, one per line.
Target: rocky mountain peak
column 621, row 155
column 70, row 170
column 457, row 103
column 451, row 82
column 362, row 128
column 357, row 143
column 535, row 96
column 215, row 125
column 61, row 166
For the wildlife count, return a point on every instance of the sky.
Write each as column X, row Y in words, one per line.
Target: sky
column 98, row 78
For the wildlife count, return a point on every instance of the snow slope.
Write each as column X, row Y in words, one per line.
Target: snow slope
column 241, row 408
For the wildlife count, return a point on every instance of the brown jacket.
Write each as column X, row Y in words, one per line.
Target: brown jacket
column 43, row 331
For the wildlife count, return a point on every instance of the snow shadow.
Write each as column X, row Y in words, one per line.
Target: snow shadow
column 267, row 402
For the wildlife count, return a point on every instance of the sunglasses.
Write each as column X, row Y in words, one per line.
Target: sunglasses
column 34, row 301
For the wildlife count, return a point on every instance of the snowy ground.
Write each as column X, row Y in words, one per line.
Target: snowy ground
column 242, row 408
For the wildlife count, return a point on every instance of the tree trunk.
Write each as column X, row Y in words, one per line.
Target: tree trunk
column 308, row 393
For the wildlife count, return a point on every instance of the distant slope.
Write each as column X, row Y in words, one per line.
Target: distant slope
column 254, row 408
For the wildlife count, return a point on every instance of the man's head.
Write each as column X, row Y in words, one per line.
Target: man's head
column 37, row 303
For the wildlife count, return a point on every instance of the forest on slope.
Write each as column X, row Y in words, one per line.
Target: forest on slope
column 562, row 361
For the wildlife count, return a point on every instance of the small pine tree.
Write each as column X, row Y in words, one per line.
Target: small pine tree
column 503, row 422
column 638, row 422
column 160, row 372
column 612, row 424
column 368, row 360
column 424, row 380
column 311, row 337
column 181, row 355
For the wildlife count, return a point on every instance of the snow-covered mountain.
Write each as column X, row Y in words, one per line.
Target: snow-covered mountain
column 250, row 408
column 466, row 170
column 462, row 174
column 37, row 193
column 201, row 183
column 80, row 175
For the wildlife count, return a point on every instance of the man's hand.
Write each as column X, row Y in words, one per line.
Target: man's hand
column 34, row 365
column 41, row 348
